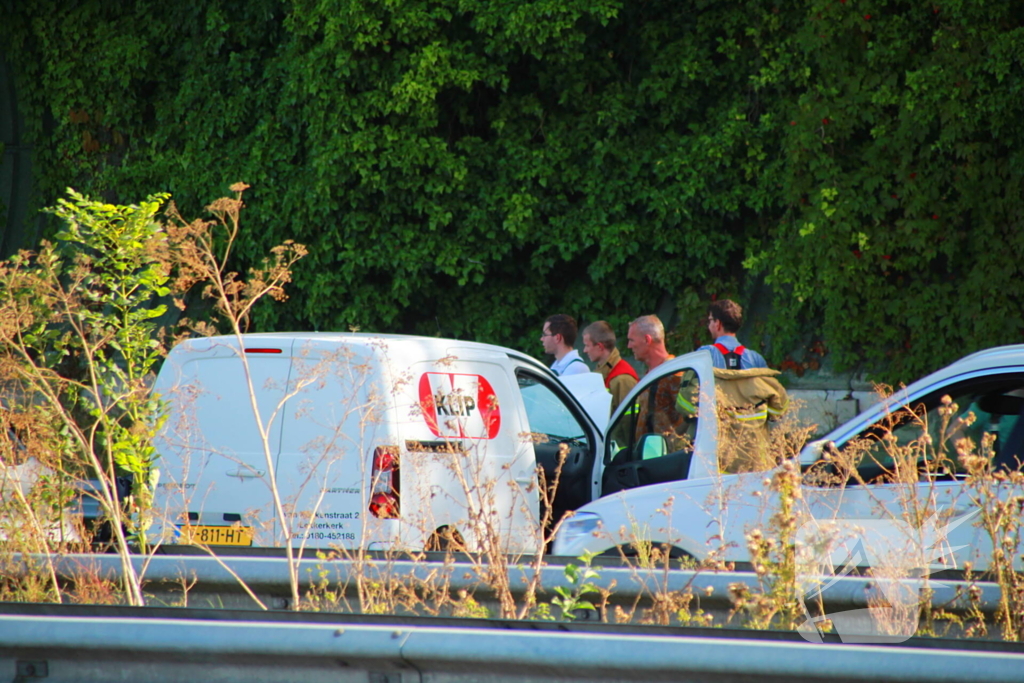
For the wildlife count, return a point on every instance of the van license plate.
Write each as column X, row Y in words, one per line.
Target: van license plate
column 216, row 535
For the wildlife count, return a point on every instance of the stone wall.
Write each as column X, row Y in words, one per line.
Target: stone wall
column 827, row 399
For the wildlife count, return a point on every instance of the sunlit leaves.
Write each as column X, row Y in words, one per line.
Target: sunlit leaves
column 465, row 168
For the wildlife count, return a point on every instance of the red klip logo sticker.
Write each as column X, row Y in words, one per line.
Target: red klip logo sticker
column 459, row 406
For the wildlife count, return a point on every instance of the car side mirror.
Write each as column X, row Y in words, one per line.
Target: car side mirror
column 812, row 452
column 652, row 446
column 817, row 451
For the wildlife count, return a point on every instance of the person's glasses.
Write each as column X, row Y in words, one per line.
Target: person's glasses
column 547, row 334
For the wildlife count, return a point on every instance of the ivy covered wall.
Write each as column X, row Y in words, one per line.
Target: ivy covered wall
column 466, row 168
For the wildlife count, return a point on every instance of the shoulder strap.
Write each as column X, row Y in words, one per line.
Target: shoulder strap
column 732, row 357
column 561, row 372
column 652, row 405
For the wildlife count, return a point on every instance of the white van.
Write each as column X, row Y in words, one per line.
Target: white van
column 373, row 441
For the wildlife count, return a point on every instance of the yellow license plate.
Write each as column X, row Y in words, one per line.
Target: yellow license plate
column 216, row 535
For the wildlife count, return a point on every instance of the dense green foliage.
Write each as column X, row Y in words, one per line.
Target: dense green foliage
column 467, row 168
column 79, row 341
column 901, row 176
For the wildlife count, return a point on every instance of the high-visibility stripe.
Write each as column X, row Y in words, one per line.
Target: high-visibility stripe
column 752, row 420
column 683, row 405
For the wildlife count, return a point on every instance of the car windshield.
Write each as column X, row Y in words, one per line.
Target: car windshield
column 986, row 409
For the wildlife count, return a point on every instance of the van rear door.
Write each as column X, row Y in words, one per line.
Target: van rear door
column 214, row 450
column 340, row 414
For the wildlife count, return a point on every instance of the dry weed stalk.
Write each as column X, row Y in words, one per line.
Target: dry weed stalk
column 999, row 495
column 772, row 546
column 79, row 342
column 201, row 250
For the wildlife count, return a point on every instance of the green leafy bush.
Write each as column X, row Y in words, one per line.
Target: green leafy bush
column 467, row 168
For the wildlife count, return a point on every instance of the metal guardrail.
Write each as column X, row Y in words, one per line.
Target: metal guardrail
column 343, row 619
column 217, row 582
column 60, row 649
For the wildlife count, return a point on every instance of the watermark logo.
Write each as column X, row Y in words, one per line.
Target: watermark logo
column 901, row 557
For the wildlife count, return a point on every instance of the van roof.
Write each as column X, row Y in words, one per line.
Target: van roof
column 365, row 339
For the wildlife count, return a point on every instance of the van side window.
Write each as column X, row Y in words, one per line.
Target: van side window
column 547, row 414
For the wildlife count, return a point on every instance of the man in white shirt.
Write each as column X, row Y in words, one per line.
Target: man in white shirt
column 558, row 338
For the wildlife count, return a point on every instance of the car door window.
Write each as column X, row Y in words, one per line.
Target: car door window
column 549, row 416
column 652, row 439
column 667, row 407
column 562, row 442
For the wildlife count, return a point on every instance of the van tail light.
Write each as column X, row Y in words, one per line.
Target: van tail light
column 384, row 487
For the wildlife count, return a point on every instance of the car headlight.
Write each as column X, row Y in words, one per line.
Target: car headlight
column 580, row 524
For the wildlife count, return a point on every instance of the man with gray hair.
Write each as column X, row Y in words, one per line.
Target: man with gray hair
column 647, row 341
column 656, row 410
column 599, row 345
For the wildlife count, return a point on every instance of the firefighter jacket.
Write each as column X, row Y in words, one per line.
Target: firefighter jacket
column 747, row 401
column 751, row 397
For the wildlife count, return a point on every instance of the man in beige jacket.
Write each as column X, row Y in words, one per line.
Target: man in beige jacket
column 599, row 345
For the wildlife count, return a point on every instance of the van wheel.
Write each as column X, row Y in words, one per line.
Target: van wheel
column 446, row 539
